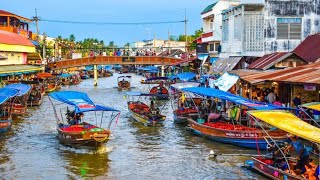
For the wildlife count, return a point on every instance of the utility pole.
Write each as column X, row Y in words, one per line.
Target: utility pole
column 168, row 40
column 185, row 30
column 44, row 48
column 36, row 19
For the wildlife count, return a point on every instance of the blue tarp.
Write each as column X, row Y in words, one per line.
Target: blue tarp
column 8, row 92
column 4, row 75
column 173, row 77
column 22, row 88
column 145, row 94
column 79, row 100
column 65, row 75
column 107, row 68
column 153, row 71
column 89, row 68
column 151, row 68
column 186, row 76
column 117, row 66
column 215, row 93
column 3, row 99
column 213, row 59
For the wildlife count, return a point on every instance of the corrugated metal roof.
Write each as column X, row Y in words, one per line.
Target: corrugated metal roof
column 309, row 49
column 13, row 39
column 269, row 60
column 223, row 65
column 307, row 74
column 209, row 8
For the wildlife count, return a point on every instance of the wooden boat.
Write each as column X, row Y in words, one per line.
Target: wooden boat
column 289, row 123
column 180, row 116
column 107, row 71
column 37, row 92
column 84, row 76
column 232, row 132
column 51, row 88
column 142, row 112
column 19, row 105
column 238, row 135
column 161, row 91
column 75, row 132
column 157, row 80
column 65, row 79
column 124, row 82
column 266, row 167
column 6, row 97
column 75, row 79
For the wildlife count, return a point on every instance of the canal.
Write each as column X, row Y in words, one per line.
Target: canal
column 32, row 151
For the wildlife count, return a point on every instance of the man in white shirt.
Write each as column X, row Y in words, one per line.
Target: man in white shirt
column 271, row 97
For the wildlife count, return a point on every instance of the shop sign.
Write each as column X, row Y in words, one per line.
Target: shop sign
column 308, row 87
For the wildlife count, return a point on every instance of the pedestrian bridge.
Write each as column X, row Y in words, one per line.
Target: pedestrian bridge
column 123, row 60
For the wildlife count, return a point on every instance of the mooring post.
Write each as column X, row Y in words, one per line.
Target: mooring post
column 95, row 74
column 162, row 70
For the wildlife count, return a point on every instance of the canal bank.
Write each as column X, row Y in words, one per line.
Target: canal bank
column 32, row 151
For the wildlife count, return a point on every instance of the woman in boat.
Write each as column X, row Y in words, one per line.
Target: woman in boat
column 310, row 170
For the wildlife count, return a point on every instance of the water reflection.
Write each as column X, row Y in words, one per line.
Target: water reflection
column 86, row 164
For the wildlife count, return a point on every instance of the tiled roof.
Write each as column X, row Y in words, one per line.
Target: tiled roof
column 309, row 49
column 209, row 8
column 269, row 60
column 14, row 39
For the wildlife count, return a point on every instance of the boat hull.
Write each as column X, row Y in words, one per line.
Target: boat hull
column 145, row 120
column 270, row 171
column 82, row 138
column 182, row 117
column 242, row 138
column 85, row 76
column 35, row 103
column 5, row 125
column 19, row 111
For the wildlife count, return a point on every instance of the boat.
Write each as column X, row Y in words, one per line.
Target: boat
column 290, row 123
column 65, row 79
column 160, row 91
column 51, row 87
column 49, row 81
column 6, row 97
column 84, row 75
column 107, row 71
column 124, row 82
column 186, row 76
column 182, row 110
column 75, row 79
column 231, row 131
column 72, row 129
column 19, row 105
column 141, row 112
column 315, row 107
column 37, row 92
column 157, row 80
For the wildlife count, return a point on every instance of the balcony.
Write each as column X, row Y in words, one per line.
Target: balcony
column 207, row 37
column 25, row 33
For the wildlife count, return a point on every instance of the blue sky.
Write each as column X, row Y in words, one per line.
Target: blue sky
column 111, row 11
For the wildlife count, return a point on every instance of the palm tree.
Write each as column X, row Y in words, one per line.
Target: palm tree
column 72, row 38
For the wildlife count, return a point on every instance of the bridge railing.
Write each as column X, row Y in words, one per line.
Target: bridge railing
column 104, row 60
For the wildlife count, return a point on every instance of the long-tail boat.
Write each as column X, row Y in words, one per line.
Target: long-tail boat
column 289, row 123
column 157, row 80
column 65, row 79
column 75, row 79
column 6, row 98
column 37, row 92
column 20, row 102
column 231, row 131
column 182, row 106
column 141, row 112
column 72, row 129
column 48, row 80
column 124, row 82
column 161, row 91
column 107, row 71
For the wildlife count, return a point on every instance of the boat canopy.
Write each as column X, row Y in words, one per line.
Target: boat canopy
column 108, row 68
column 313, row 106
column 79, row 100
column 3, row 99
column 65, row 75
column 186, row 76
column 124, row 77
column 44, row 75
column 117, row 66
column 180, row 86
column 173, row 77
column 216, row 93
column 145, row 94
column 21, row 88
column 8, row 92
column 158, row 78
column 290, row 123
column 88, row 68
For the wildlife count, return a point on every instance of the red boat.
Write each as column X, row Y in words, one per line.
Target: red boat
column 20, row 103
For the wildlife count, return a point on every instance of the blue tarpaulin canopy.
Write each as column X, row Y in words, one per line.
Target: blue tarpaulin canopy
column 3, row 99
column 153, row 71
column 108, row 68
column 173, row 77
column 186, row 76
column 145, row 94
column 215, row 93
column 22, row 88
column 117, row 66
column 157, row 78
column 8, row 92
column 79, row 100
column 89, row 68
column 65, row 75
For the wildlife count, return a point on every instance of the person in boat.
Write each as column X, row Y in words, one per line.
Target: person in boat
column 303, row 153
column 310, row 170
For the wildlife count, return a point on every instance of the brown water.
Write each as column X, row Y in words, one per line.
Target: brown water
column 32, row 151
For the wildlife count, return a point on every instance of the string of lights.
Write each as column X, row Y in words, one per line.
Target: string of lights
column 112, row 23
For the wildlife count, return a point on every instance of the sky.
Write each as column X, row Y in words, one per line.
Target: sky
column 111, row 11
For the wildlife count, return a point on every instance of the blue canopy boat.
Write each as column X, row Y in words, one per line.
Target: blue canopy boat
column 186, row 76
column 141, row 112
column 6, row 97
column 232, row 133
column 20, row 103
column 158, row 80
column 73, row 131
column 107, row 71
column 65, row 79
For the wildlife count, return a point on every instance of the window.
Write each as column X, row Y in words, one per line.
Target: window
column 211, row 47
column 225, row 30
column 211, row 24
column 237, row 30
column 289, row 28
column 216, row 47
